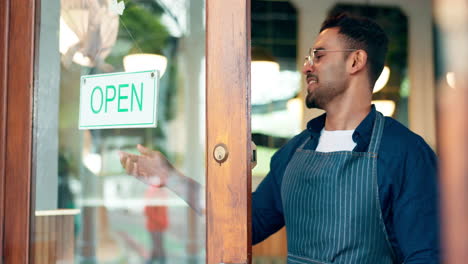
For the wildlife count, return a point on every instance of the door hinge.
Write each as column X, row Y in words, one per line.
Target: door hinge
column 253, row 159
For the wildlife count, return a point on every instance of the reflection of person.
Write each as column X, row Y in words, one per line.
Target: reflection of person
column 156, row 224
column 355, row 186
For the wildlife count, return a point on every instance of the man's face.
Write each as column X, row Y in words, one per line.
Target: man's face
column 326, row 79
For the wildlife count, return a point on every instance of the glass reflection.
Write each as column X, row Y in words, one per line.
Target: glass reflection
column 118, row 218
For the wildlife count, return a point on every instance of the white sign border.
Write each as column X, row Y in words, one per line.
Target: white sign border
column 153, row 124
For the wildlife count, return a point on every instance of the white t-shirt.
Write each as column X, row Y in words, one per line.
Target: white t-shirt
column 337, row 140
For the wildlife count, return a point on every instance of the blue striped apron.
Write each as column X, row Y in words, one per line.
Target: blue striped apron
column 332, row 208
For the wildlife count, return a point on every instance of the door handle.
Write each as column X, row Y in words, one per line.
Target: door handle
column 253, row 159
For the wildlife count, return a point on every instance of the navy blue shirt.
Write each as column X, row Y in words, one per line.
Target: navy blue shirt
column 407, row 180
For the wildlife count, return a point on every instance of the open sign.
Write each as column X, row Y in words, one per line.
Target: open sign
column 119, row 100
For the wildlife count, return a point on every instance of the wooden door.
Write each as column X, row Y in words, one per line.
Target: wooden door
column 16, row 78
column 227, row 121
column 3, row 82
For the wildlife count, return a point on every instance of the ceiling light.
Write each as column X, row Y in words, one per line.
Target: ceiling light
column 382, row 80
column 450, row 76
column 145, row 62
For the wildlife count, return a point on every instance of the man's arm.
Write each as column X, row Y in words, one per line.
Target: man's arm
column 152, row 168
column 267, row 206
column 416, row 214
column 188, row 190
column 267, row 212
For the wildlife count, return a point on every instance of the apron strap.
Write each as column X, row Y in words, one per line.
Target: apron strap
column 377, row 132
column 305, row 142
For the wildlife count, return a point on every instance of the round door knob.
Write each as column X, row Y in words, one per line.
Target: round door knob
column 220, row 153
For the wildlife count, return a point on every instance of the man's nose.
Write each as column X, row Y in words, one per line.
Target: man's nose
column 307, row 68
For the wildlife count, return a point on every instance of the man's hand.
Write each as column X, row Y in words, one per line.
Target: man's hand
column 151, row 167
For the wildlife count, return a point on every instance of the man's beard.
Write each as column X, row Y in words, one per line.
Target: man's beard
column 321, row 96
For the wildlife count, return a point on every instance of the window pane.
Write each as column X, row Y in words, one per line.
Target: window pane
column 88, row 210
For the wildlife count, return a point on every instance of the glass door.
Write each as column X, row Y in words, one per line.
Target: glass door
column 87, row 208
column 65, row 196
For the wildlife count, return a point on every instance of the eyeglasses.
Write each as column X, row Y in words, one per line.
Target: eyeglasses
column 312, row 57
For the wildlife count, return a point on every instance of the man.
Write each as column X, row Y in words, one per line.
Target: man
column 354, row 187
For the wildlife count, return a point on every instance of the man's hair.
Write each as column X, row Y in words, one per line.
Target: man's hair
column 362, row 33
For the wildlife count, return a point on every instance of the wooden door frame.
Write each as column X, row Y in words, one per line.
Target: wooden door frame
column 228, row 189
column 17, row 55
column 3, row 85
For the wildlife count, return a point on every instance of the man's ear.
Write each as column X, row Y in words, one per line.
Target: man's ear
column 357, row 61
